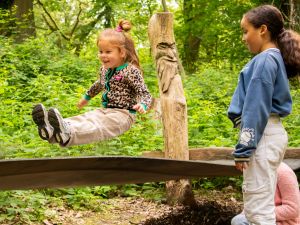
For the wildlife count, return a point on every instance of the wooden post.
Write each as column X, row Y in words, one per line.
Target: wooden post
column 172, row 101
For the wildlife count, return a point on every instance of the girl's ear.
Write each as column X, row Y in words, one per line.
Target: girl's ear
column 123, row 52
column 263, row 29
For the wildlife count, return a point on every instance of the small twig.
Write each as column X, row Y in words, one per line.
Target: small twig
column 164, row 4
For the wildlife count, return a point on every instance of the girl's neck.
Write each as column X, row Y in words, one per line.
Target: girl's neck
column 123, row 65
column 268, row 45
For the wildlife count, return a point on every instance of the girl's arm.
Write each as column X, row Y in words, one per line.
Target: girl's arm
column 141, row 90
column 256, row 106
column 95, row 89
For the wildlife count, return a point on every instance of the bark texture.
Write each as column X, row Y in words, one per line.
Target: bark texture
column 172, row 101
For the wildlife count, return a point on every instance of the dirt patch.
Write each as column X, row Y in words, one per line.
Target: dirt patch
column 213, row 208
column 127, row 211
column 205, row 212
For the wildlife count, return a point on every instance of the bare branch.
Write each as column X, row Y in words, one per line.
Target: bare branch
column 77, row 20
column 48, row 24
column 92, row 24
column 52, row 20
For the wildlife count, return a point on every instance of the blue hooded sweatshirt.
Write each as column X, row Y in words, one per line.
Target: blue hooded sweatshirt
column 263, row 89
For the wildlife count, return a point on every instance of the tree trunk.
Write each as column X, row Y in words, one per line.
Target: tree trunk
column 25, row 19
column 172, row 100
column 192, row 42
column 20, row 22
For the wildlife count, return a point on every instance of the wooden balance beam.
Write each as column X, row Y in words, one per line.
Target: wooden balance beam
column 83, row 171
column 223, row 155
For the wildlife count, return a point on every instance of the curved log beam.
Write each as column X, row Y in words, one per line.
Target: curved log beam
column 83, row 171
column 218, row 153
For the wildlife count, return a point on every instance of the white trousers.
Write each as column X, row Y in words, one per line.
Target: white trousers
column 259, row 183
column 98, row 125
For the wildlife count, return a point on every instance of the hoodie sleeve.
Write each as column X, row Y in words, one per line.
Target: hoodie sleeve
column 257, row 106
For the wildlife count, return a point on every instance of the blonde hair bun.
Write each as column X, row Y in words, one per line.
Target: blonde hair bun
column 125, row 25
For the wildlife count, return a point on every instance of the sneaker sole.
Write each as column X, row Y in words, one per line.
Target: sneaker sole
column 56, row 122
column 40, row 116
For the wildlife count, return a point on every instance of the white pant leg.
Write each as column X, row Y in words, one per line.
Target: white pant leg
column 239, row 219
column 259, row 183
column 99, row 125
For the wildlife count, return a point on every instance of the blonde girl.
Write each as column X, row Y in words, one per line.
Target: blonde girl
column 123, row 94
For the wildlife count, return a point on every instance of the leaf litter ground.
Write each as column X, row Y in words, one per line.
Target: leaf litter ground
column 213, row 208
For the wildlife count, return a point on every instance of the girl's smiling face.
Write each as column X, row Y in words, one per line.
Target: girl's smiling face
column 252, row 36
column 110, row 55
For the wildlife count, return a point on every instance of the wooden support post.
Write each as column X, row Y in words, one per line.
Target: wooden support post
column 172, row 100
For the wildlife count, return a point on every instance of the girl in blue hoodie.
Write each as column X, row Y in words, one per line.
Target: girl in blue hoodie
column 260, row 100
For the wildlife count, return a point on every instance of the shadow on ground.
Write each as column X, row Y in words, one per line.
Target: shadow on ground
column 204, row 213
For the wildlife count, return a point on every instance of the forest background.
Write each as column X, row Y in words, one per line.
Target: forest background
column 48, row 54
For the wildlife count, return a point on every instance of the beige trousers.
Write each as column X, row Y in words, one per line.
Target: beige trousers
column 98, row 125
column 259, row 183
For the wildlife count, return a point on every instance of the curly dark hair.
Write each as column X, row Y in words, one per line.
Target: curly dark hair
column 288, row 41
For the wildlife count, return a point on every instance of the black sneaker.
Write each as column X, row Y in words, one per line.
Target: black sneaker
column 62, row 132
column 40, row 117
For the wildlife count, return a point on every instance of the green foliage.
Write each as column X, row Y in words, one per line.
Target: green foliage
column 218, row 183
column 208, row 95
column 292, row 122
column 50, row 70
column 215, row 26
column 23, row 206
column 74, row 24
column 140, row 20
column 13, row 26
column 7, row 23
